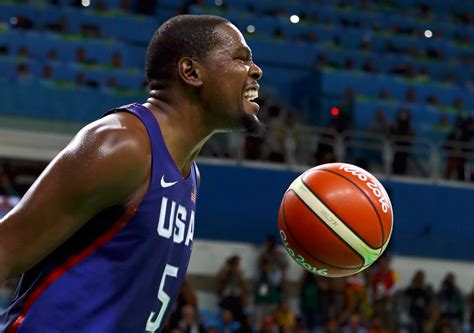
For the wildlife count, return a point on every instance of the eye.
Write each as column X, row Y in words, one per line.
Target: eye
column 241, row 59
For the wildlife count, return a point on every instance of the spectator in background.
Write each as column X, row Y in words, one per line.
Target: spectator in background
column 325, row 150
column 186, row 296
column 226, row 323
column 253, row 147
column 433, row 100
column 343, row 121
column 22, row 53
column 355, row 293
column 188, row 322
column 52, row 55
column 354, row 325
column 451, row 301
column 268, row 325
column 3, row 48
column 443, row 127
column 379, row 124
column 232, row 287
column 60, row 26
column 5, row 296
column 5, row 205
column 81, row 55
column 80, row 79
column 90, row 30
column 432, row 323
column 277, row 259
column 419, row 296
column 349, row 64
column 279, row 34
column 320, row 62
column 267, row 291
column 369, row 66
column 275, row 134
column 335, row 299
column 458, row 105
column 470, row 303
column 111, row 84
column 116, row 60
column 384, row 94
column 461, row 135
column 6, row 293
column 125, row 5
column 23, row 73
column 47, row 73
column 423, row 75
column 285, row 319
column 311, row 301
column 383, row 285
column 332, row 326
column 6, row 184
column 377, row 326
column 403, row 132
column 410, row 95
column 246, row 325
column 82, row 58
column 366, row 42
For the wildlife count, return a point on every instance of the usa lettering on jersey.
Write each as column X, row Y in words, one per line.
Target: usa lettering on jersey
column 175, row 227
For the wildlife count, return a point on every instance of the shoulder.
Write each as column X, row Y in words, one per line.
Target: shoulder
column 112, row 150
column 118, row 135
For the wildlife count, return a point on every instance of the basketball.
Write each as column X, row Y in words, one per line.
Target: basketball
column 335, row 219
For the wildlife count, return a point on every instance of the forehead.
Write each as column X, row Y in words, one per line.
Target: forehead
column 231, row 39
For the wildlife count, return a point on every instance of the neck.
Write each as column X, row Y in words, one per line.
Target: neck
column 182, row 127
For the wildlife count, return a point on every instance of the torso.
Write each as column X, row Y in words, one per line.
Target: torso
column 123, row 269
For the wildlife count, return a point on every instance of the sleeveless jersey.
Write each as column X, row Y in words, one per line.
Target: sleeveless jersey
column 122, row 271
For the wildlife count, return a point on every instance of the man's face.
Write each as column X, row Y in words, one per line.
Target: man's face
column 230, row 83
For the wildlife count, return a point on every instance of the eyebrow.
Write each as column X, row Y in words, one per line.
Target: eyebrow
column 246, row 50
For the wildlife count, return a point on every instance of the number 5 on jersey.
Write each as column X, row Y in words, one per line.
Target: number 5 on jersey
column 153, row 325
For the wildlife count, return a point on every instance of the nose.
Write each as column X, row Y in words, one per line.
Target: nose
column 255, row 72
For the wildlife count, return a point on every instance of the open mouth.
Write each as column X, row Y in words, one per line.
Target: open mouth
column 251, row 94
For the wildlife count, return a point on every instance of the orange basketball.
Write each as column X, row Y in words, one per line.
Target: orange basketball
column 335, row 219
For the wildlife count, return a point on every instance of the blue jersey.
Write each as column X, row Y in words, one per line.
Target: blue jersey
column 124, row 268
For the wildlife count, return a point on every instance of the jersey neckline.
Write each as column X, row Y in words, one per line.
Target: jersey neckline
column 165, row 149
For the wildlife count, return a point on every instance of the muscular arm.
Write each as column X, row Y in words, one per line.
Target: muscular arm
column 106, row 164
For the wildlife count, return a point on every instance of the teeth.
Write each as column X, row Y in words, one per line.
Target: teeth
column 251, row 94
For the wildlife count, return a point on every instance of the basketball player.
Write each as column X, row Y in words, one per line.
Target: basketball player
column 104, row 236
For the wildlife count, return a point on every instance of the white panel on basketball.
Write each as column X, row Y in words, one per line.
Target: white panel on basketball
column 333, row 222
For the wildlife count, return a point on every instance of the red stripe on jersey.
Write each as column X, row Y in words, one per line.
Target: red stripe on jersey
column 73, row 260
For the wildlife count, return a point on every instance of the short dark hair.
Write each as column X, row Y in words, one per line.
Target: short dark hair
column 181, row 36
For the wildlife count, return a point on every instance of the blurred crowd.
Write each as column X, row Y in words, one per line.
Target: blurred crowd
column 371, row 302
column 288, row 140
column 368, row 302
column 266, row 301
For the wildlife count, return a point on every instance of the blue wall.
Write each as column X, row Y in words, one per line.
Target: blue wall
column 241, row 204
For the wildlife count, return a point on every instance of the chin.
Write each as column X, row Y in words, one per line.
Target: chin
column 252, row 125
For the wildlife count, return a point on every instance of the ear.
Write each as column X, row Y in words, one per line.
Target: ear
column 190, row 71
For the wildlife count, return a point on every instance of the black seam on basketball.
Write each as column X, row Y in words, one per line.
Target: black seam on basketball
column 305, row 250
column 368, row 199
